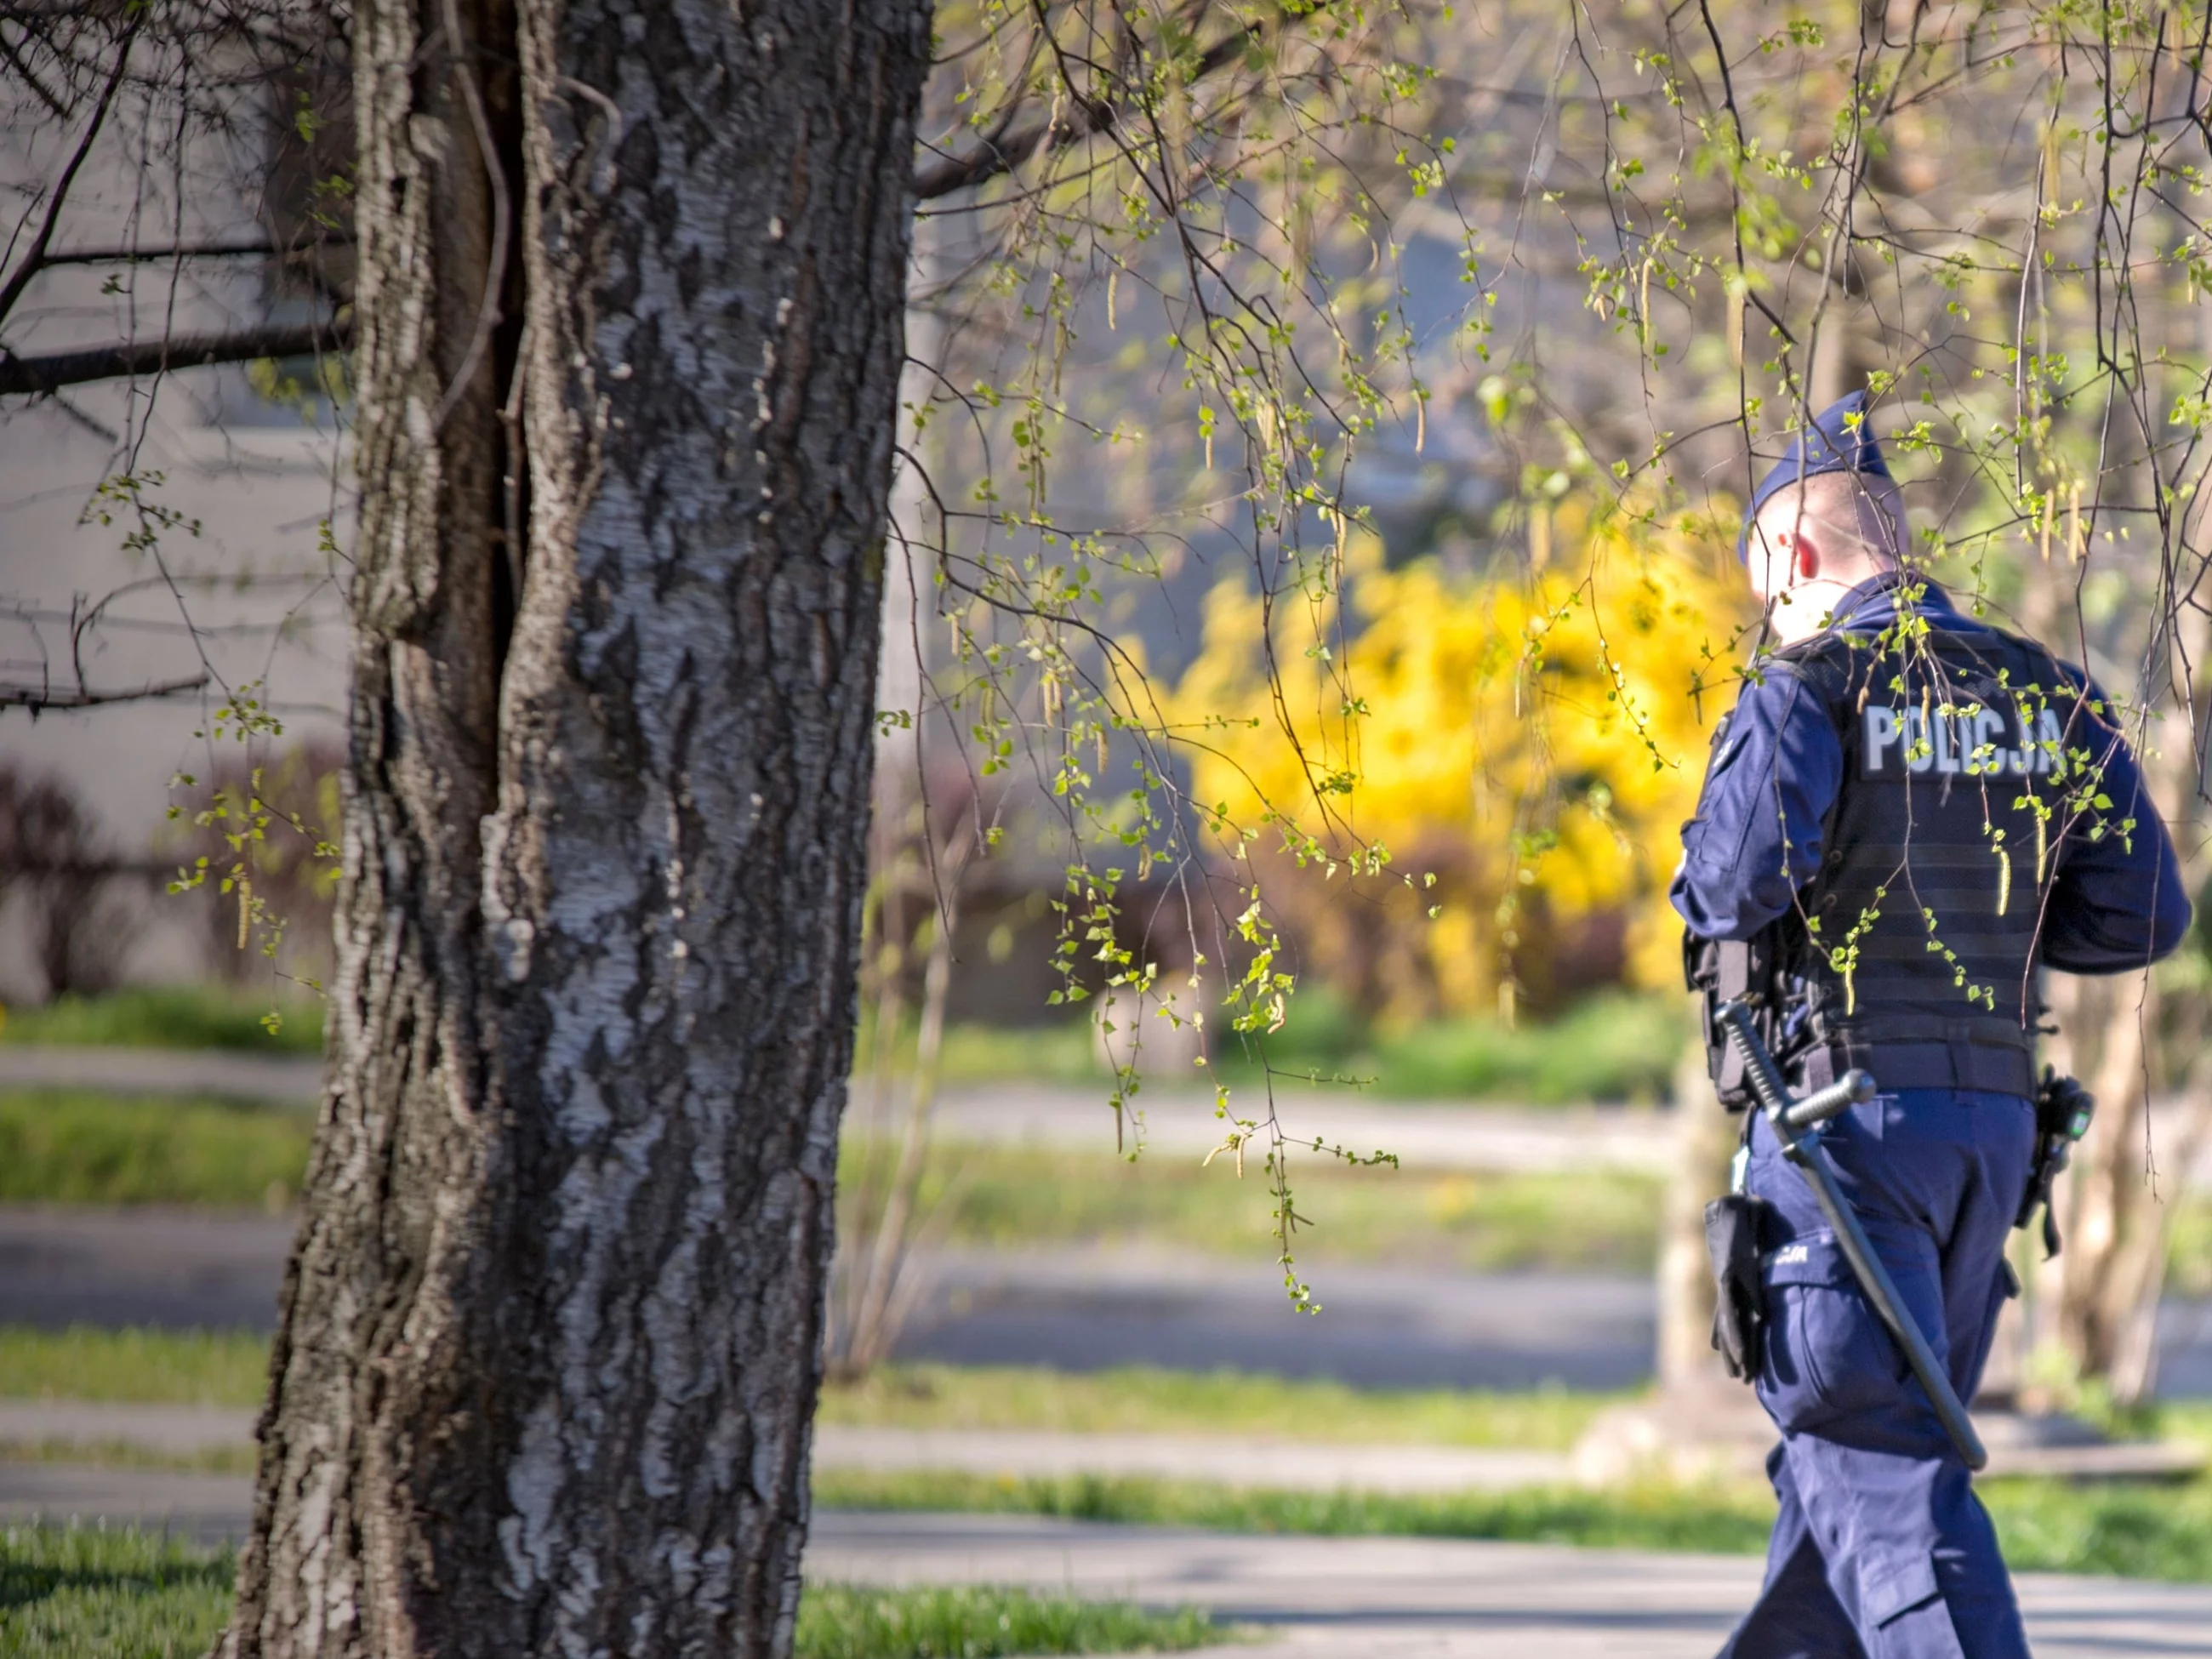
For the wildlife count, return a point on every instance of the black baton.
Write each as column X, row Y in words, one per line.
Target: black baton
column 1791, row 1119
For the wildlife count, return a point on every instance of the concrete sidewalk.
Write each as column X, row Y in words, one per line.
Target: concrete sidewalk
column 1377, row 1598
column 227, row 1074
column 1433, row 1134
column 183, row 1432
column 1319, row 1598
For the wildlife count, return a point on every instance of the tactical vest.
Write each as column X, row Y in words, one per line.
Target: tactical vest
column 1967, row 758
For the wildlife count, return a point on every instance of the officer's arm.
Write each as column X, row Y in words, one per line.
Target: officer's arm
column 2117, row 901
column 1756, row 839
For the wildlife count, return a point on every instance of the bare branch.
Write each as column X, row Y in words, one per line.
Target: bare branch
column 38, row 698
column 132, row 256
column 1082, row 118
column 49, row 372
column 34, row 256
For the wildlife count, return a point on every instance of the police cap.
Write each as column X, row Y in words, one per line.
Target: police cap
column 1840, row 440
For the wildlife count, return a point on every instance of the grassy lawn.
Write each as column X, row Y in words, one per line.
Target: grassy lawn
column 187, row 1368
column 71, row 1146
column 1613, row 1047
column 1140, row 1400
column 174, row 1017
column 230, row 1368
column 101, row 1592
column 1015, row 1197
column 2128, row 1529
column 76, row 1146
column 1728, row 1520
column 846, row 1621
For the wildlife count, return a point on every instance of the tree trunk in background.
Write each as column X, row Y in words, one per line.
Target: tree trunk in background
column 551, row 1338
column 2102, row 1291
column 1704, row 1140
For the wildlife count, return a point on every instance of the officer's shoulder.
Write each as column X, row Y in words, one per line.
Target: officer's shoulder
column 1825, row 663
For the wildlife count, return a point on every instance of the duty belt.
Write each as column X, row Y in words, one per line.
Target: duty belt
column 1988, row 1055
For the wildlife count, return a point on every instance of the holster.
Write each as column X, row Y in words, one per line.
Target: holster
column 1735, row 1224
column 1736, row 970
column 2063, row 1111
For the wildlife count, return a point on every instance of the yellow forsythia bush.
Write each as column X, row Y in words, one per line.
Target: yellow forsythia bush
column 1524, row 745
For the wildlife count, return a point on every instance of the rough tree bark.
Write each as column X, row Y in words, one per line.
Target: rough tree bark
column 631, row 281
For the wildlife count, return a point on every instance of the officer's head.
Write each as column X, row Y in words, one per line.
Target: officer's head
column 1827, row 516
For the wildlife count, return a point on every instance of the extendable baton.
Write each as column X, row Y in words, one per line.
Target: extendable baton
column 1792, row 1120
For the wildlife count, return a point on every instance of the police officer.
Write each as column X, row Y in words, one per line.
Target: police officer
column 1900, row 824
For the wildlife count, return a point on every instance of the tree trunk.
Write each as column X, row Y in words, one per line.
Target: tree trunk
column 551, row 1337
column 1705, row 1139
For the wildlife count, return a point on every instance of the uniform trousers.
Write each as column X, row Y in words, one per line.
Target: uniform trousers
column 1880, row 1549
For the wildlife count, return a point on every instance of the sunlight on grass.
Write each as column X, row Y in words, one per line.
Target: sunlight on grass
column 108, row 1593
column 1011, row 1198
column 119, row 1592
column 193, row 1368
column 1141, row 1399
column 174, row 1017
column 77, row 1146
column 2128, row 1529
column 1718, row 1519
column 848, row 1621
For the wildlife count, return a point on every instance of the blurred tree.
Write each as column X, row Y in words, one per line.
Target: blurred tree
column 64, row 884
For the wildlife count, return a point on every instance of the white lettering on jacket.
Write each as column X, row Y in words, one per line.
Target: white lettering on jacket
column 1972, row 744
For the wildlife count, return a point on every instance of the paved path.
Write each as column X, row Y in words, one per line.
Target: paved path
column 1341, row 1598
column 1232, row 1461
column 183, row 1269
column 1229, row 1461
column 1426, row 1133
column 1434, row 1134
column 279, row 1079
column 1377, row 1598
column 1077, row 1309
column 172, row 1431
column 208, row 1508
column 1088, row 1309
column 2018, row 1446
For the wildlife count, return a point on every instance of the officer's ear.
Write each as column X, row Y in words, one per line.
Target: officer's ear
column 1804, row 556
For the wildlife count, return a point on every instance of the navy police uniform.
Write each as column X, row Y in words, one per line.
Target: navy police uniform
column 1910, row 812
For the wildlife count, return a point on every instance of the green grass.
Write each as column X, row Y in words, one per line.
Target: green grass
column 1612, row 1047
column 76, row 1146
column 849, row 1621
column 1728, row 1520
column 1063, row 1052
column 1140, row 1400
column 102, row 1593
column 1013, row 1197
column 230, row 1368
column 2128, row 1529
column 173, row 1017
column 2189, row 1246
column 190, row 1368
column 119, row 1592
